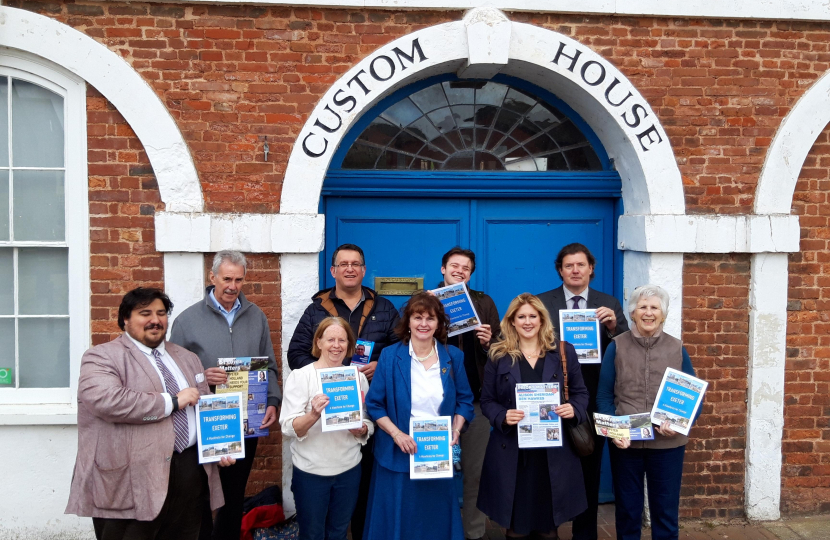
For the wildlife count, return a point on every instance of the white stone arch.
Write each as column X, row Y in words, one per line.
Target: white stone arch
column 475, row 47
column 785, row 158
column 123, row 87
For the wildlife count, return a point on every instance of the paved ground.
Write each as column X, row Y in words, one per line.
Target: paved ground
column 805, row 528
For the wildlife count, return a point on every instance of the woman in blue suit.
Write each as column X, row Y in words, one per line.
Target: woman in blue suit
column 534, row 490
column 417, row 377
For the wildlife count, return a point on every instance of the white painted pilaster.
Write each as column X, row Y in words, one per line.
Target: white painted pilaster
column 184, row 280
column 765, row 384
column 300, row 280
column 663, row 269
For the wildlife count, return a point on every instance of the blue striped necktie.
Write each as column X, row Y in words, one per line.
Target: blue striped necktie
column 179, row 416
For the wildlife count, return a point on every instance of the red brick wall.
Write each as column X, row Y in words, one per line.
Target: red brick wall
column 262, row 287
column 123, row 197
column 806, row 472
column 232, row 75
column 715, row 333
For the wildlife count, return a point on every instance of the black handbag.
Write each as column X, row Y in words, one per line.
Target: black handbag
column 582, row 435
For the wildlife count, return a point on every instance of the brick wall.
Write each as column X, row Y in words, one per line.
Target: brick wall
column 232, row 75
column 123, row 197
column 262, row 287
column 715, row 333
column 806, row 445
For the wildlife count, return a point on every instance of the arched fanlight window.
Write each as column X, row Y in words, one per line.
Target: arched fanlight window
column 472, row 126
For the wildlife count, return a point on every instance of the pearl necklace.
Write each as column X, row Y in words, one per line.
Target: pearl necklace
column 425, row 358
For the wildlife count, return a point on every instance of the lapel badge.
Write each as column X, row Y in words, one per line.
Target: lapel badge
column 443, row 370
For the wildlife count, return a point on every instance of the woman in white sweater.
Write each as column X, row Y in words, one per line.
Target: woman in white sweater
column 326, row 465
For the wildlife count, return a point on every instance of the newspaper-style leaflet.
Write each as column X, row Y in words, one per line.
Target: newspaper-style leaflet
column 219, row 427
column 581, row 328
column 342, row 386
column 678, row 400
column 540, row 427
column 248, row 376
column 433, row 457
column 458, row 307
column 636, row 427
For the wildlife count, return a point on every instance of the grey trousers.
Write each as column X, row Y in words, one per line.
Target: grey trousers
column 473, row 447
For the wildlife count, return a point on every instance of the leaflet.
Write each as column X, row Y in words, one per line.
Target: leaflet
column 678, row 400
column 636, row 427
column 458, row 307
column 540, row 427
column 433, row 459
column 342, row 386
column 581, row 328
column 219, row 427
column 362, row 352
column 248, row 376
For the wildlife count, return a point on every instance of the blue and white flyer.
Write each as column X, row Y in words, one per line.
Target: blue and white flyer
column 678, row 400
column 362, row 352
column 581, row 328
column 342, row 386
column 433, row 458
column 636, row 427
column 219, row 427
column 540, row 427
column 458, row 307
column 248, row 376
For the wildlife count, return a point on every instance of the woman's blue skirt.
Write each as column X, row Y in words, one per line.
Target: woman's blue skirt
column 403, row 509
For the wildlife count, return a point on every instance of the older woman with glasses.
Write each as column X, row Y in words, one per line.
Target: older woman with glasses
column 631, row 373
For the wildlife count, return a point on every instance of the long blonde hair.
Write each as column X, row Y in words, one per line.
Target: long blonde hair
column 508, row 343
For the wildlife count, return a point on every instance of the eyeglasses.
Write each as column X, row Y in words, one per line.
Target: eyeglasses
column 345, row 265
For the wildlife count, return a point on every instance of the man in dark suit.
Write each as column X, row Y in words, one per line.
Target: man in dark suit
column 575, row 264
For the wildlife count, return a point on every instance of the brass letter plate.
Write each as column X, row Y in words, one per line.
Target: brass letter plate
column 398, row 286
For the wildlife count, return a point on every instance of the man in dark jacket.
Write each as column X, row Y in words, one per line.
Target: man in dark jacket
column 372, row 318
column 575, row 264
column 226, row 325
column 458, row 266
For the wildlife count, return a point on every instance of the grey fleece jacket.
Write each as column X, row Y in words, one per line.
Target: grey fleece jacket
column 203, row 330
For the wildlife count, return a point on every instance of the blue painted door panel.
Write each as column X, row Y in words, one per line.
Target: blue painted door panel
column 515, row 240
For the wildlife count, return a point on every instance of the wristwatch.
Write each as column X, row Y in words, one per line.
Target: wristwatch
column 175, row 400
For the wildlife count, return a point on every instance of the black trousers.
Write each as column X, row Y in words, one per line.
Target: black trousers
column 585, row 524
column 228, row 522
column 181, row 515
column 367, row 462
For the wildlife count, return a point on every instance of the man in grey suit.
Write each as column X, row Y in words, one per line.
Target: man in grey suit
column 137, row 472
column 575, row 264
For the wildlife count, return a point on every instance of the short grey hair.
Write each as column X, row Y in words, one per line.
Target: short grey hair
column 230, row 256
column 646, row 291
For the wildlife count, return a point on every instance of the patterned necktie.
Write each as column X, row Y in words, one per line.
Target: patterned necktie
column 576, row 300
column 179, row 416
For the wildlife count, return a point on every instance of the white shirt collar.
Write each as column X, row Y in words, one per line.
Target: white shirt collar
column 144, row 348
column 569, row 294
column 415, row 359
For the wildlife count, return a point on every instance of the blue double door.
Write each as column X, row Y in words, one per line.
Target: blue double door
column 515, row 240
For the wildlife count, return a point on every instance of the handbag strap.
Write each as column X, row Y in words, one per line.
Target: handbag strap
column 564, row 367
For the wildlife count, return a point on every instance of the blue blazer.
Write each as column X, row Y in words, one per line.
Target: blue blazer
column 391, row 395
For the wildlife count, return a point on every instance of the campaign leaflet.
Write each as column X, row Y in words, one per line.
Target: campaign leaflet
column 581, row 328
column 540, row 427
column 678, row 400
column 342, row 386
column 433, row 458
column 458, row 307
column 636, row 427
column 219, row 427
column 248, row 376
column 362, row 352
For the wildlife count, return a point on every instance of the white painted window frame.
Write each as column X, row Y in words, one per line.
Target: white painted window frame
column 58, row 405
